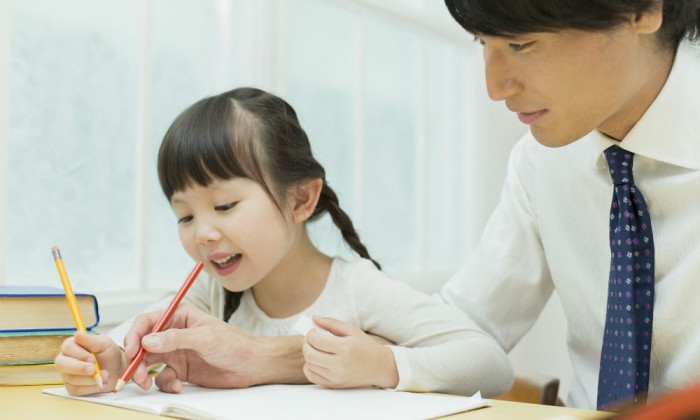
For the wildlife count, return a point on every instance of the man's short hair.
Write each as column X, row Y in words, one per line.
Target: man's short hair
column 681, row 18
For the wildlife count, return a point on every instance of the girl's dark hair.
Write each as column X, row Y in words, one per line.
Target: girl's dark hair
column 247, row 133
column 681, row 18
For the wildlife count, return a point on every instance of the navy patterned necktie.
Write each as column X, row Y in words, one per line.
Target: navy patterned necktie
column 626, row 352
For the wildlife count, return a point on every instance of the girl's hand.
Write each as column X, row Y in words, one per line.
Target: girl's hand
column 347, row 359
column 75, row 363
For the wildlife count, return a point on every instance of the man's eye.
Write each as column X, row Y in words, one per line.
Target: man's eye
column 519, row 47
column 184, row 219
column 227, row 206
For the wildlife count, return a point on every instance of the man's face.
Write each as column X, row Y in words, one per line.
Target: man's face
column 566, row 84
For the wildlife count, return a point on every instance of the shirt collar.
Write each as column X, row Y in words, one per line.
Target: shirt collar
column 669, row 131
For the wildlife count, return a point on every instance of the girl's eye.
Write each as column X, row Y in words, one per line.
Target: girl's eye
column 184, row 219
column 479, row 40
column 225, row 207
column 520, row 47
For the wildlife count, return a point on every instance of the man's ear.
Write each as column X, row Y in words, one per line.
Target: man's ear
column 306, row 196
column 649, row 21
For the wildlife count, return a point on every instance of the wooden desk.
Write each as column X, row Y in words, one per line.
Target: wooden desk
column 28, row 402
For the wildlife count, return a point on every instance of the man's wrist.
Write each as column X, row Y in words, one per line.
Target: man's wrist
column 281, row 360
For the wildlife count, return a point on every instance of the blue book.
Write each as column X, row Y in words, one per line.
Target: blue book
column 39, row 308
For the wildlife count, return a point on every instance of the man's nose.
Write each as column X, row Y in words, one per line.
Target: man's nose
column 501, row 82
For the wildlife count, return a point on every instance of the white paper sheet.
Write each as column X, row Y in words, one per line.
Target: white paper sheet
column 305, row 402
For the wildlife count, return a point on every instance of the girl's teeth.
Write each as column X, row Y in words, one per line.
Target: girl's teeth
column 225, row 260
column 222, row 260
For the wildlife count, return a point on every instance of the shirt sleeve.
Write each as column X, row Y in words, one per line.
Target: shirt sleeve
column 438, row 348
column 506, row 282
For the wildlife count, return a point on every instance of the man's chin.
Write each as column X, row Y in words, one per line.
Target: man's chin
column 552, row 139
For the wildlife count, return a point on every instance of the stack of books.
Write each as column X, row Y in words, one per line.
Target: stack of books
column 34, row 322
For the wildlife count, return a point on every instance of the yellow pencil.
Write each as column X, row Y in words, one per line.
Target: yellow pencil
column 73, row 304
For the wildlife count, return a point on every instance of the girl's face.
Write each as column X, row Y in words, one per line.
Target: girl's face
column 234, row 228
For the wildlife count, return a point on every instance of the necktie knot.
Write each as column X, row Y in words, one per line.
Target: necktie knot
column 620, row 164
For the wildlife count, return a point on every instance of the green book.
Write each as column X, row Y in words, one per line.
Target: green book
column 31, row 347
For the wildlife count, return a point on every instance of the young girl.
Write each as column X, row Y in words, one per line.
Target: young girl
column 238, row 171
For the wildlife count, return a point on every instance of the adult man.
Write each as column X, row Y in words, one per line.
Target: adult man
column 588, row 76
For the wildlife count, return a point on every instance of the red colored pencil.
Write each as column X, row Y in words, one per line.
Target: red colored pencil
column 159, row 325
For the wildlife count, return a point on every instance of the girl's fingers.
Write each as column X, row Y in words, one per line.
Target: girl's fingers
column 73, row 366
column 314, row 376
column 82, row 390
column 336, row 327
column 316, row 357
column 70, row 348
column 319, row 369
column 323, row 342
column 93, row 343
column 80, row 381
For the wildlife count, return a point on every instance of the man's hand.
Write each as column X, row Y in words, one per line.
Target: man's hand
column 204, row 350
column 347, row 359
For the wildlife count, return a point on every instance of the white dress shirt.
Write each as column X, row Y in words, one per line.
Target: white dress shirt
column 550, row 231
column 437, row 347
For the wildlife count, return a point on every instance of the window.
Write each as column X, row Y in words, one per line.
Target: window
column 388, row 92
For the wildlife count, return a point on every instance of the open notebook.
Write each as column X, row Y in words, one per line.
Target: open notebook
column 284, row 401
